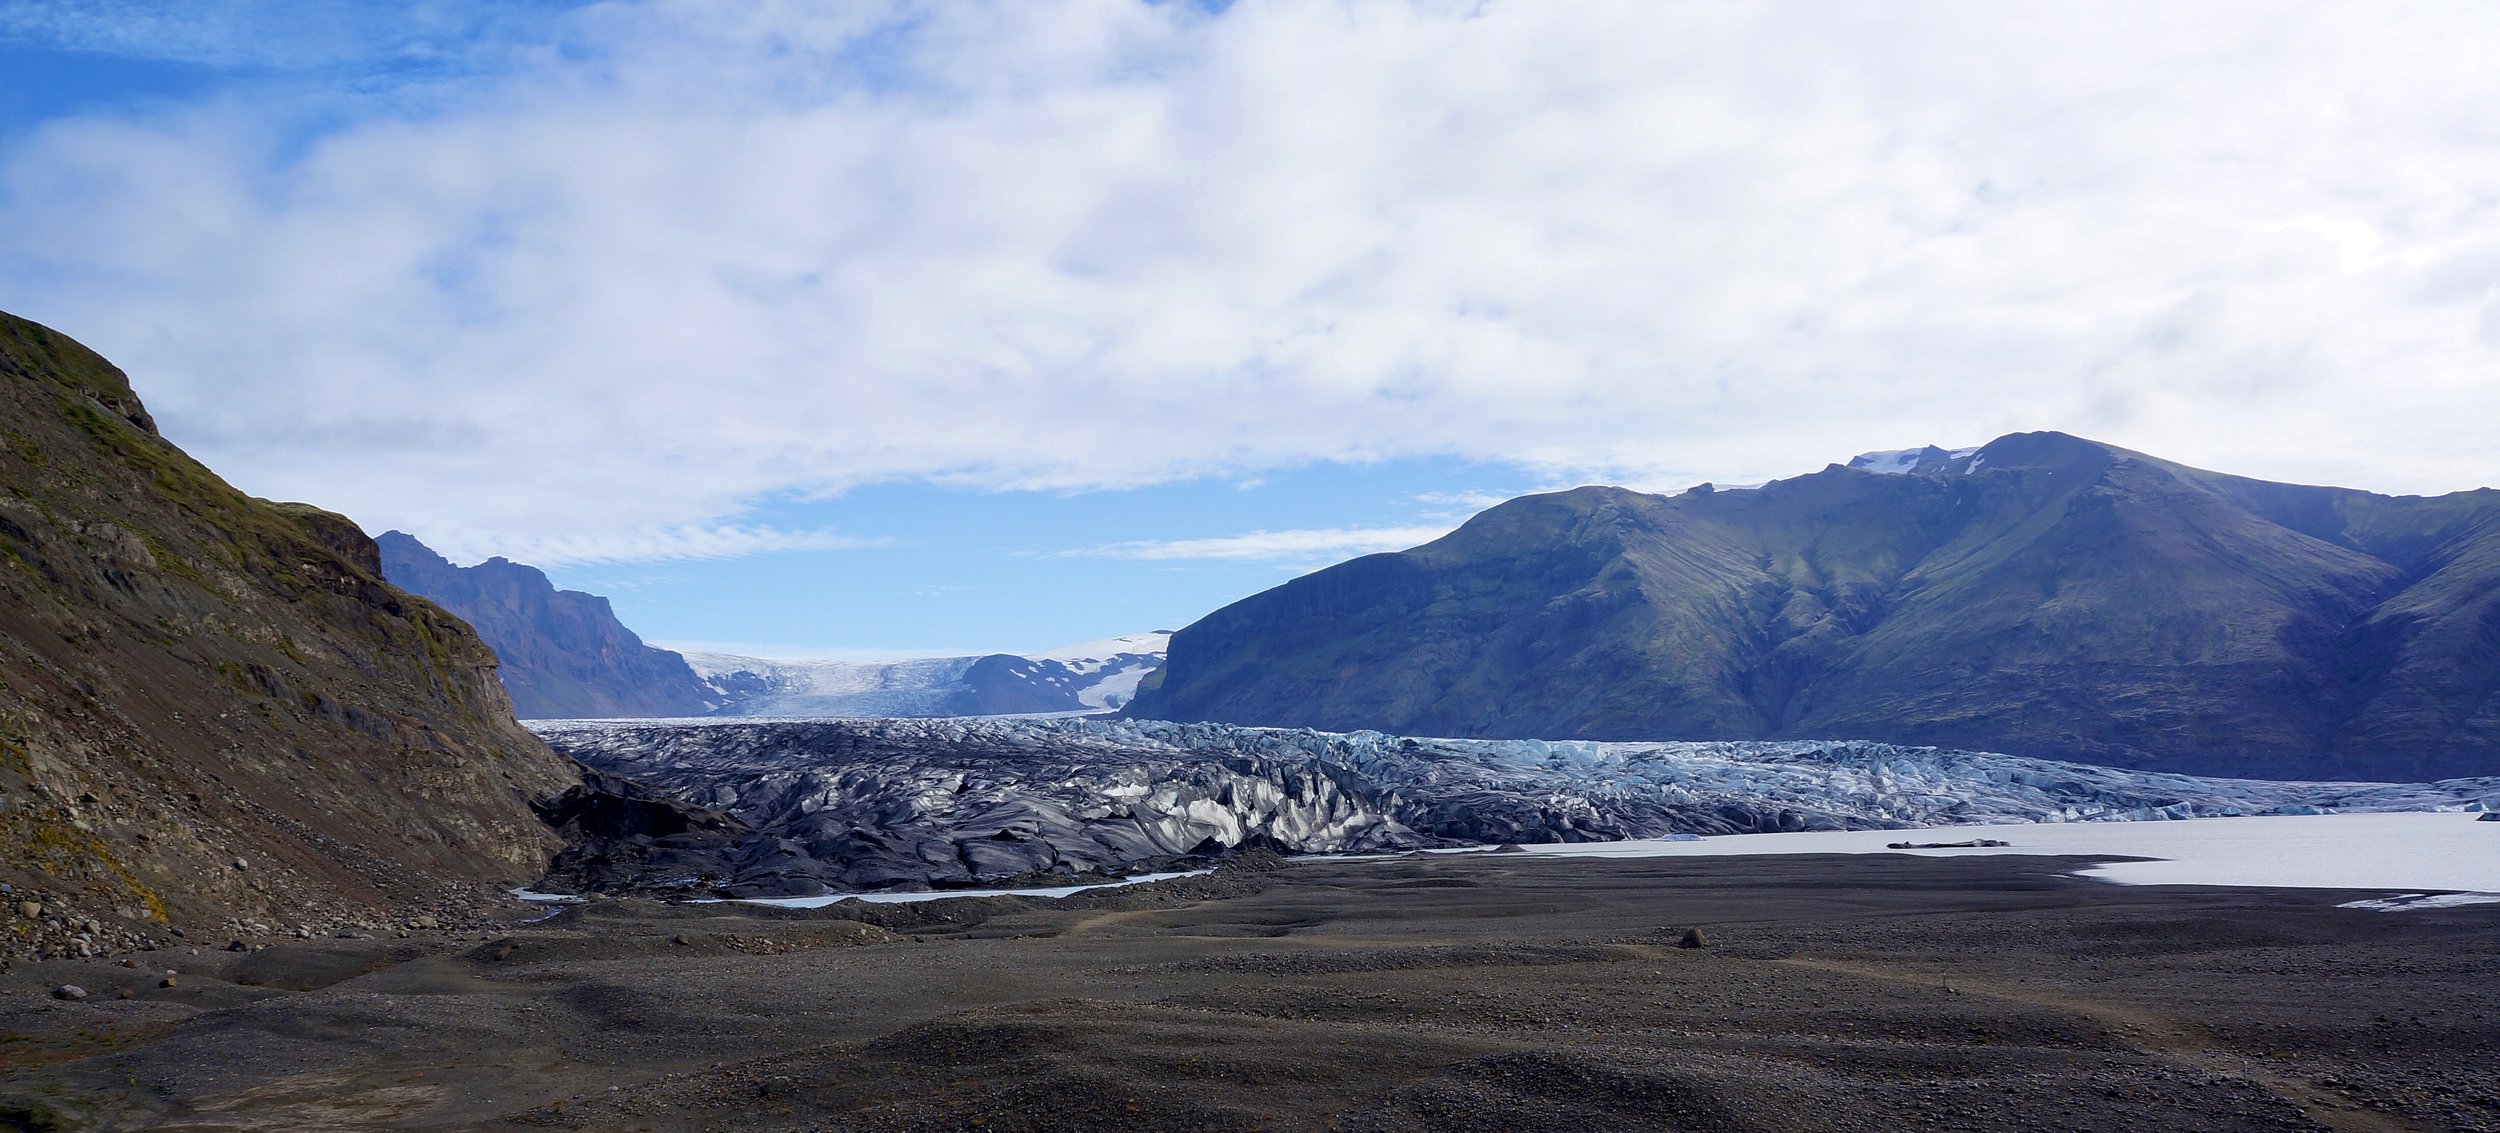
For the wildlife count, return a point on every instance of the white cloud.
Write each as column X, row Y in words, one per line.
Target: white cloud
column 639, row 544
column 713, row 252
column 1312, row 545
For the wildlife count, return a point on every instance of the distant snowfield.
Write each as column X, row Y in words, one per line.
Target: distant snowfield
column 2403, row 853
column 1074, row 680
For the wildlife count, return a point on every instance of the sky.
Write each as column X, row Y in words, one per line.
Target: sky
column 893, row 328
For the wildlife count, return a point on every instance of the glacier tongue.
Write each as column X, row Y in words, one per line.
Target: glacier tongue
column 871, row 804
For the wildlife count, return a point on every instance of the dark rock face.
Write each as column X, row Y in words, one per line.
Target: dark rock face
column 2045, row 595
column 213, row 705
column 623, row 837
column 565, row 656
column 849, row 805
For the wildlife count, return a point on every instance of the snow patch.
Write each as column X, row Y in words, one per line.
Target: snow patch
column 1893, row 463
column 1152, row 643
column 2405, row 901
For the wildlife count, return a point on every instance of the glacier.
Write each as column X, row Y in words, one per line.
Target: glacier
column 1094, row 677
column 905, row 804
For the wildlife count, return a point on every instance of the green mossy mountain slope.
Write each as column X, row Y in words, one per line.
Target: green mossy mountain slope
column 212, row 705
column 2050, row 596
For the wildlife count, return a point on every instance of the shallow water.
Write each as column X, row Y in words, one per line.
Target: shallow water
column 822, row 900
column 2410, row 852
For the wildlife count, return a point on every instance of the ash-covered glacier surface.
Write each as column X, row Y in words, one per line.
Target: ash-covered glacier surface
column 861, row 805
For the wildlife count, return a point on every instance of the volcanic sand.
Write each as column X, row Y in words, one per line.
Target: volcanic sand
column 1446, row 992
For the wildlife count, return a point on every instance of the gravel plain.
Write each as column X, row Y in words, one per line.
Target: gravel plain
column 1442, row 992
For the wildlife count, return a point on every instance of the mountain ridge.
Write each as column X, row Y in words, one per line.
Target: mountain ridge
column 2041, row 594
column 565, row 654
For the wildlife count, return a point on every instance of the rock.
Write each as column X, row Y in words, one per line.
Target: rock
column 2489, row 816
column 237, row 946
column 31, row 910
column 69, row 991
column 1693, row 938
column 1510, row 848
column 424, row 922
column 166, row 982
column 683, row 940
column 178, row 933
column 1460, row 638
column 564, row 654
column 122, row 551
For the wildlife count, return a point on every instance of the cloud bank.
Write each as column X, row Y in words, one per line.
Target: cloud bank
column 1313, row 546
column 665, row 259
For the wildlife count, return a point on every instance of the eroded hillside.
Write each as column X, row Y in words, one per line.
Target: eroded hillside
column 211, row 705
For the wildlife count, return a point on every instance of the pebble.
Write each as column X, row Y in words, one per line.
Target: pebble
column 69, row 991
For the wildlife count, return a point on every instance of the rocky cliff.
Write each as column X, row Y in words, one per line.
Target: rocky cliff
column 213, row 706
column 564, row 653
column 2043, row 595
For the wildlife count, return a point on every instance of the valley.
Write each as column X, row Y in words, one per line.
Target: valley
column 266, row 816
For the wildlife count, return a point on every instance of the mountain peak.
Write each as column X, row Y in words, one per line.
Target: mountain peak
column 2064, row 596
column 2046, row 449
column 1897, row 462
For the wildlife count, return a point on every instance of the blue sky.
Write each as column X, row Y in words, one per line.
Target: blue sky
column 959, row 572
column 899, row 326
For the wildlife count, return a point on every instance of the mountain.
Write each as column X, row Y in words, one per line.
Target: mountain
column 213, row 706
column 565, row 656
column 866, row 804
column 1098, row 676
column 2043, row 594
